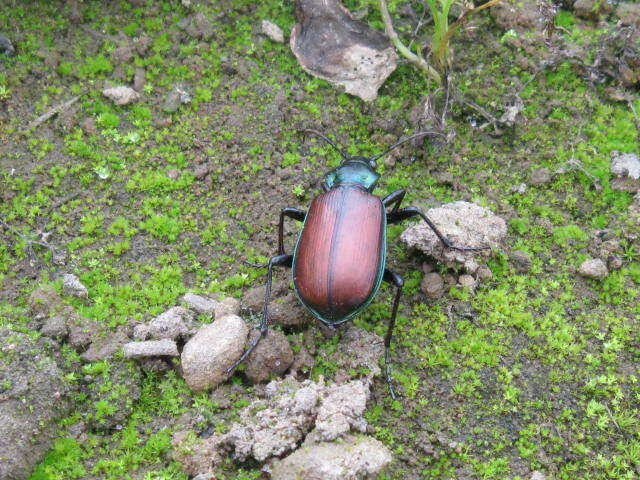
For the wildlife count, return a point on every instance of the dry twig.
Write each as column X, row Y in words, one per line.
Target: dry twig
column 50, row 113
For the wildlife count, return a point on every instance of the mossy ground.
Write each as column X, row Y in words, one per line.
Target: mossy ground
column 540, row 371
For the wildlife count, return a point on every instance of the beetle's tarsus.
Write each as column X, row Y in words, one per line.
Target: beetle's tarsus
column 255, row 265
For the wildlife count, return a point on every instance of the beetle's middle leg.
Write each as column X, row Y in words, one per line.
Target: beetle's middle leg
column 396, row 280
column 395, row 199
column 277, row 261
column 410, row 212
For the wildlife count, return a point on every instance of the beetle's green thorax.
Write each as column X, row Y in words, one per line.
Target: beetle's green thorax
column 354, row 171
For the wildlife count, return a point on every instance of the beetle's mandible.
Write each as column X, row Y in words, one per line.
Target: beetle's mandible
column 339, row 260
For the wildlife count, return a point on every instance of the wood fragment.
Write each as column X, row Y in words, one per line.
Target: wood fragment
column 50, row 113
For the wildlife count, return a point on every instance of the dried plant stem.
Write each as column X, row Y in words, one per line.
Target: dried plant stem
column 418, row 61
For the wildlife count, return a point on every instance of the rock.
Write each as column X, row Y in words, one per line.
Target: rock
column 520, row 17
column 540, row 176
column 200, row 304
column 197, row 456
column 272, row 31
column 123, row 54
column 591, row 9
column 213, row 350
column 330, row 44
column 150, row 348
column 141, row 332
column 198, row 26
column 484, row 273
column 142, row 44
column 595, row 269
column 55, row 327
column 226, row 306
column 6, row 47
column 272, row 357
column 629, row 14
column 106, row 346
column 521, row 261
column 117, row 386
column 284, row 309
column 464, row 224
column 139, row 79
column 72, row 286
column 537, row 475
column 341, row 410
column 275, row 425
column 33, row 396
column 626, row 168
column 82, row 330
column 44, row 300
column 432, row 285
column 89, row 126
column 467, row 281
column 121, row 95
column 354, row 458
column 173, row 324
column 178, row 96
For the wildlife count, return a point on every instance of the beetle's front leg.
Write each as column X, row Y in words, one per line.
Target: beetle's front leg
column 410, row 212
column 396, row 280
column 277, row 261
column 290, row 212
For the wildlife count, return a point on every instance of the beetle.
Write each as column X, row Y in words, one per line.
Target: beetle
column 339, row 261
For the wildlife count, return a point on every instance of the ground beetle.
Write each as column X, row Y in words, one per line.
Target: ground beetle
column 339, row 260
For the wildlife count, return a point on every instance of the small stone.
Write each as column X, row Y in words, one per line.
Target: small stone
column 212, row 351
column 540, row 176
column 467, row 281
column 272, row 357
column 484, row 273
column 629, row 14
column 173, row 324
column 591, row 9
column 73, row 287
column 175, row 98
column 626, row 165
column 44, row 299
column 520, row 189
column 123, row 54
column 89, row 126
column 595, row 269
column 284, row 309
column 614, row 262
column 141, row 332
column 201, row 171
column 432, row 285
column 105, row 347
column 142, row 44
column 6, row 47
column 55, row 327
column 226, row 306
column 200, row 304
column 521, row 261
column 151, row 348
column 139, row 79
column 465, row 224
column 537, row 475
column 272, row 31
column 351, row 459
column 121, row 95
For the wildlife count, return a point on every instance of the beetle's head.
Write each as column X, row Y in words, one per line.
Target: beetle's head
column 358, row 170
column 354, row 170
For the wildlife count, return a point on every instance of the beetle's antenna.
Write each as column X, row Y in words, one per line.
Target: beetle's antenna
column 340, row 151
column 396, row 145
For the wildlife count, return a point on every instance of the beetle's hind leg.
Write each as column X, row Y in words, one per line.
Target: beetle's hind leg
column 277, row 261
column 410, row 212
column 396, row 280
